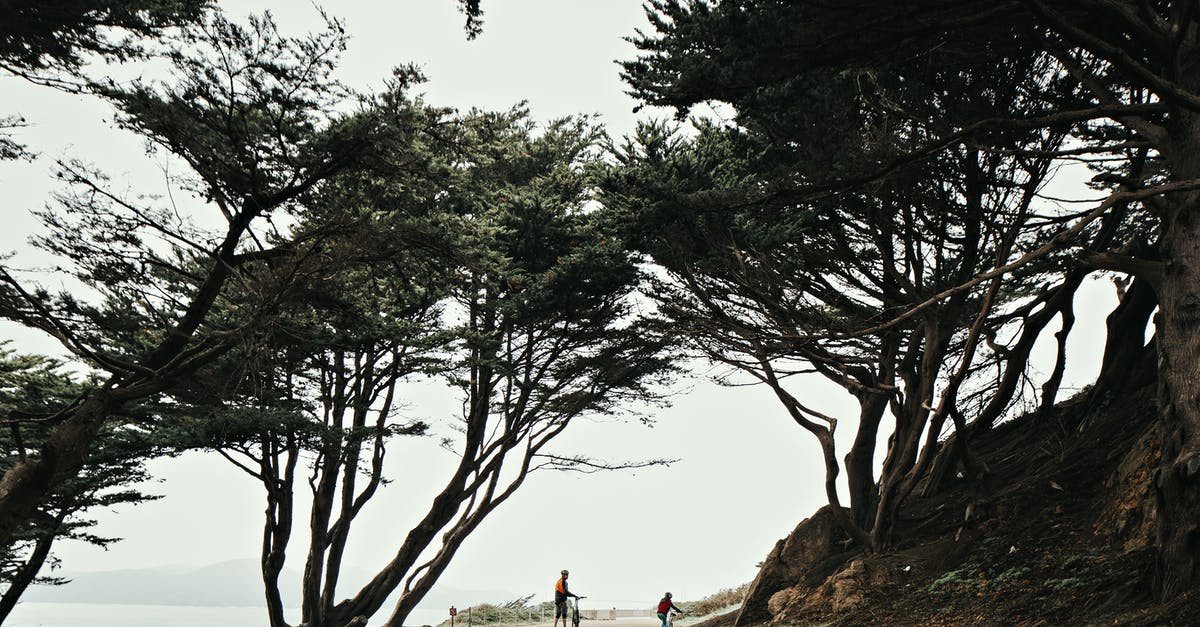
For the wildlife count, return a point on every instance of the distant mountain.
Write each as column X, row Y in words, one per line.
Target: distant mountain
column 231, row 583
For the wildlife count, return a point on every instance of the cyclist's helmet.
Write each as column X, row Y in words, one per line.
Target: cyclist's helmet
column 564, row 573
column 668, row 595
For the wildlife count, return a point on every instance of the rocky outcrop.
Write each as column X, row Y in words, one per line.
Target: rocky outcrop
column 798, row 563
column 848, row 588
column 844, row 590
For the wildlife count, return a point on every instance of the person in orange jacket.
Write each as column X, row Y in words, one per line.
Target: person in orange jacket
column 561, row 592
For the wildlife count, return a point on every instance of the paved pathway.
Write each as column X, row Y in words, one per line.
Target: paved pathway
column 635, row 621
column 649, row 620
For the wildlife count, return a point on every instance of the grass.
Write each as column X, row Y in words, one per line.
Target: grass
column 516, row 612
column 717, row 603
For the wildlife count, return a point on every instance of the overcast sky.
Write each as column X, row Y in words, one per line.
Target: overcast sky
column 747, row 474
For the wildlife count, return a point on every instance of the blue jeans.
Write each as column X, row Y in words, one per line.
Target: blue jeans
column 663, row 618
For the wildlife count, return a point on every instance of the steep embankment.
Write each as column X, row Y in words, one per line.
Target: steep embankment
column 1059, row 533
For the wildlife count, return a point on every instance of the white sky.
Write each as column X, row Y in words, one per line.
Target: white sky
column 747, row 474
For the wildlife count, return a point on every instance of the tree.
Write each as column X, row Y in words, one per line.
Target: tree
column 33, row 388
column 515, row 295
column 257, row 130
column 1121, row 62
column 776, row 287
column 549, row 334
column 50, row 43
column 474, row 13
column 321, row 392
column 36, row 38
column 781, row 268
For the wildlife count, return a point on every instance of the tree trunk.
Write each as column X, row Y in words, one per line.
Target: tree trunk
column 911, row 423
column 29, row 570
column 445, row 506
column 1178, row 343
column 277, row 530
column 1126, row 341
column 1052, row 384
column 1178, row 477
column 860, row 460
column 25, row 485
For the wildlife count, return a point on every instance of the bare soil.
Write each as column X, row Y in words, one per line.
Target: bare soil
column 1060, row 533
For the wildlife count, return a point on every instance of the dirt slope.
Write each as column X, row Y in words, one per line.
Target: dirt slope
column 1058, row 534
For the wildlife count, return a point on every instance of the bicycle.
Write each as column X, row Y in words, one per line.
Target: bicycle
column 575, row 612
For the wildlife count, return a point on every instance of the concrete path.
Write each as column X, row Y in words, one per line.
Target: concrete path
column 633, row 621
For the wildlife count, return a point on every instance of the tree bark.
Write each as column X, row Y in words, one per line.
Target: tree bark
column 1178, row 342
column 277, row 530
column 1051, row 386
column 860, row 460
column 911, row 423
column 25, row 485
column 32, row 566
column 1178, row 477
column 1126, row 341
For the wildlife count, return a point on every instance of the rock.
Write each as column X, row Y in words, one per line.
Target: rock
column 780, row 600
column 849, row 587
column 791, row 567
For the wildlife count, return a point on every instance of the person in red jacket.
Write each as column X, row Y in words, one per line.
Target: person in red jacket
column 664, row 609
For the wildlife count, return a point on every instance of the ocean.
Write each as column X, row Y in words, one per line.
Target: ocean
column 111, row 615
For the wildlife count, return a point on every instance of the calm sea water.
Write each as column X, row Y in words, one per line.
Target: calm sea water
column 97, row 615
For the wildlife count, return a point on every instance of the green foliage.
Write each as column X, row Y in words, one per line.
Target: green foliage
column 479, row 260
column 34, row 391
column 1014, row 574
column 544, row 273
column 263, row 128
column 720, row 600
column 518, row 611
column 474, row 13
column 259, row 130
column 48, row 43
column 850, row 219
column 953, row 581
column 252, row 111
column 993, row 570
column 37, row 36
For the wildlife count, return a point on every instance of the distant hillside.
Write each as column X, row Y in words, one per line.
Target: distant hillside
column 1060, row 533
column 231, row 583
